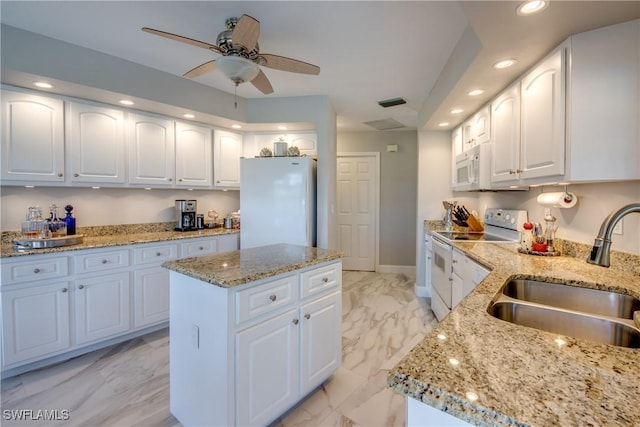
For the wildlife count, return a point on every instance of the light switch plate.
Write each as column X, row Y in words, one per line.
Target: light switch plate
column 618, row 228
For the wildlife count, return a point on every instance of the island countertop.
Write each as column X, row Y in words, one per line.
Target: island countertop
column 490, row 372
column 235, row 268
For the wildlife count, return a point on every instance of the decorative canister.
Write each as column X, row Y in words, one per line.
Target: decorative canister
column 280, row 148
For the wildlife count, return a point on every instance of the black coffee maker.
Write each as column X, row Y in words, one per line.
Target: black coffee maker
column 186, row 215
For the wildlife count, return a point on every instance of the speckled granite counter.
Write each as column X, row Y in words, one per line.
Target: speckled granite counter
column 118, row 237
column 236, row 268
column 513, row 375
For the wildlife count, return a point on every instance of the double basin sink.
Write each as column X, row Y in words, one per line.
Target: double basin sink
column 599, row 316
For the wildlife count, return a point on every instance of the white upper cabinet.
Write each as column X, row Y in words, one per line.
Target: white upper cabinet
column 604, row 104
column 97, row 144
column 193, row 155
column 32, row 138
column 542, row 103
column 482, row 126
column 227, row 150
column 151, row 150
column 505, row 131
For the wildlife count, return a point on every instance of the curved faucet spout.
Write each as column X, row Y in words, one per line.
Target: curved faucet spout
column 602, row 245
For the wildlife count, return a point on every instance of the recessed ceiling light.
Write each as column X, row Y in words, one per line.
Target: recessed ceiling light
column 236, row 126
column 476, row 92
column 188, row 116
column 282, row 128
column 505, row 63
column 126, row 102
column 457, row 111
column 443, row 124
column 530, row 7
column 43, row 85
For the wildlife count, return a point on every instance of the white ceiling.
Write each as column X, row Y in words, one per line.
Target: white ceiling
column 367, row 50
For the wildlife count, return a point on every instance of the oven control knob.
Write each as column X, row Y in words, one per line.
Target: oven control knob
column 513, row 220
column 508, row 217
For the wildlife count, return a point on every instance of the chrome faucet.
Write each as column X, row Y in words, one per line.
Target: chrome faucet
column 602, row 245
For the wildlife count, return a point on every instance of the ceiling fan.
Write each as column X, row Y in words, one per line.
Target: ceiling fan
column 241, row 56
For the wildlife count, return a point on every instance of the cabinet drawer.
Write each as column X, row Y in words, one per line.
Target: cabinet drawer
column 36, row 268
column 155, row 254
column 320, row 279
column 198, row 247
column 262, row 299
column 101, row 261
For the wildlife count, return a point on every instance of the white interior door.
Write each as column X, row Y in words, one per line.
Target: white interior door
column 358, row 190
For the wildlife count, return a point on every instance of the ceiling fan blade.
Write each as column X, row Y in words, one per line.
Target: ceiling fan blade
column 261, row 82
column 201, row 69
column 182, row 39
column 246, row 32
column 287, row 64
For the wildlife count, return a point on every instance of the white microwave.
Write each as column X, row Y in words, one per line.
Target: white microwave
column 472, row 169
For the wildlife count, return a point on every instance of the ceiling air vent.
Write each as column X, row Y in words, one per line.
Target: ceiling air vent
column 391, row 102
column 385, row 124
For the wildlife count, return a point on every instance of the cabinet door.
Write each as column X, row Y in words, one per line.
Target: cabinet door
column 482, row 126
column 32, row 138
column 457, row 290
column 193, row 156
column 97, row 142
column 267, row 369
column 226, row 159
column 35, row 321
column 102, row 306
column 150, row 296
column 505, row 132
column 542, row 141
column 456, row 148
column 321, row 341
column 151, row 150
column 468, row 136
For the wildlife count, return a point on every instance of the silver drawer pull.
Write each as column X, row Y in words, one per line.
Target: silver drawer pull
column 295, row 321
column 273, row 297
column 307, row 316
column 201, row 248
column 325, row 279
column 36, row 270
column 104, row 261
column 81, row 287
column 64, row 290
column 158, row 254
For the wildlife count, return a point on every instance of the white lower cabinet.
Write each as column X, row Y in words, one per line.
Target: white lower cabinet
column 54, row 304
column 102, row 307
column 267, row 369
column 35, row 321
column 282, row 340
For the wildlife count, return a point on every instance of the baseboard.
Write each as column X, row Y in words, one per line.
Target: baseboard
column 409, row 270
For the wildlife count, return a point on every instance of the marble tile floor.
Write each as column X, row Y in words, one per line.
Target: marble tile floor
column 128, row 384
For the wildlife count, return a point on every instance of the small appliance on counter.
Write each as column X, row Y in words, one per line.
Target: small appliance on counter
column 186, row 215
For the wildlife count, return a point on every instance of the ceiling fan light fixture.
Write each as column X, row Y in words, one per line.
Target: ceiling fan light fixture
column 237, row 68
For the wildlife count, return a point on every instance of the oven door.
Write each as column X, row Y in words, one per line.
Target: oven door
column 441, row 270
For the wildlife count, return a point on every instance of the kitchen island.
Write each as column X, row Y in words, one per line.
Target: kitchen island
column 489, row 372
column 252, row 332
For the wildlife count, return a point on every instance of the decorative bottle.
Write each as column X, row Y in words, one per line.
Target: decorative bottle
column 70, row 221
column 57, row 226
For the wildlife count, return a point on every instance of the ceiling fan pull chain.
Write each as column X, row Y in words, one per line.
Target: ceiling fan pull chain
column 235, row 96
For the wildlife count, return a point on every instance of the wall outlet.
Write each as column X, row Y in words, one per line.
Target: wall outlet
column 618, row 228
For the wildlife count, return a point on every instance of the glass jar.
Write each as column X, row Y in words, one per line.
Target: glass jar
column 57, row 226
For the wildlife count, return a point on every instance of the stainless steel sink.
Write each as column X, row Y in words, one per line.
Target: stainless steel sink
column 593, row 301
column 599, row 316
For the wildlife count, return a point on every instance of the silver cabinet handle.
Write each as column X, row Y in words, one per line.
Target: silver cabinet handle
column 307, row 316
column 81, row 287
column 201, row 248
column 180, row 180
column 104, row 261
column 60, row 175
column 64, row 290
column 170, row 179
column 325, row 279
column 295, row 321
column 273, row 297
column 76, row 175
column 158, row 254
column 455, row 261
column 36, row 270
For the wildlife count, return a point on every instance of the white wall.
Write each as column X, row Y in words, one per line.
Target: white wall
column 110, row 206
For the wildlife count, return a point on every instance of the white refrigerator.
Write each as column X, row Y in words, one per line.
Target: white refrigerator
column 277, row 201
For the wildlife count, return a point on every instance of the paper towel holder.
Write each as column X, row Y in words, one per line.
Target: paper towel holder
column 558, row 199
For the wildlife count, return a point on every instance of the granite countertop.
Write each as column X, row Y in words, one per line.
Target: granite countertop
column 117, row 237
column 236, row 268
column 491, row 372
